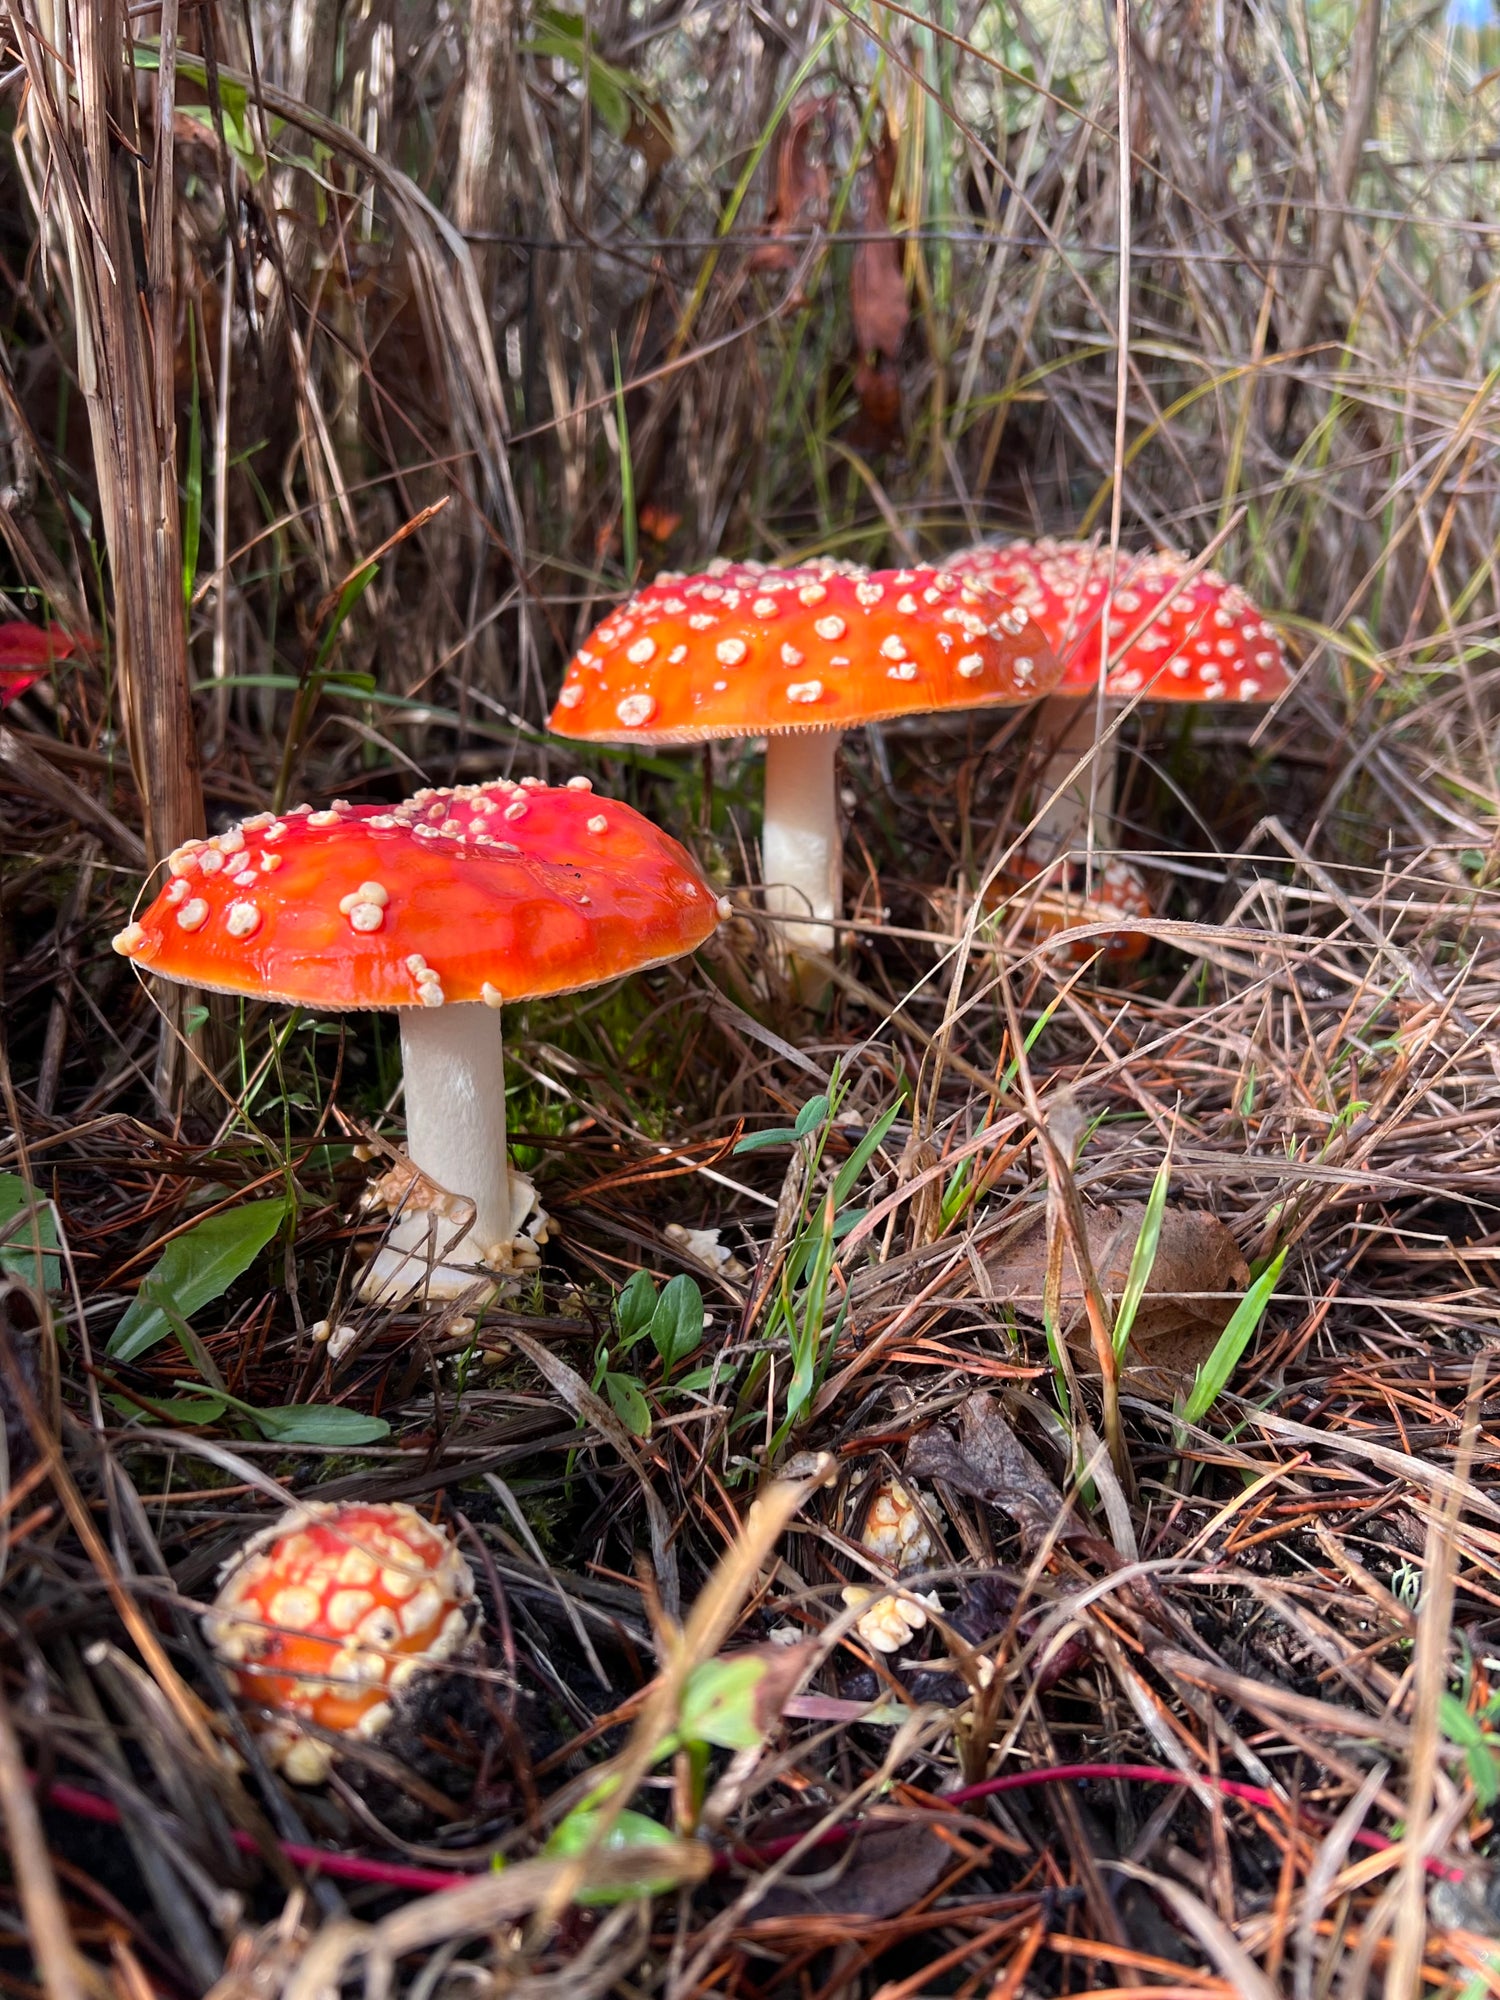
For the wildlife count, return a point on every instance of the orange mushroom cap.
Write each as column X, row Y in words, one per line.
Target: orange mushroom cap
column 1208, row 643
column 331, row 1611
column 492, row 892
column 746, row 651
column 1059, row 904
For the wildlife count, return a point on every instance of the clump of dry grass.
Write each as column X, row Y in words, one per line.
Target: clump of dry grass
column 758, row 283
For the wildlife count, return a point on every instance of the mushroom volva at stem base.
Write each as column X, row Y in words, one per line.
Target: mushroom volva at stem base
column 800, row 851
column 453, row 1061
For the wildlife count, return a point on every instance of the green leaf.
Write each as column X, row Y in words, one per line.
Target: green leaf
column 864, row 1152
column 718, row 1704
column 172, row 1409
column 1210, row 1381
column 1484, row 1773
column 634, row 1307
column 307, row 1423
column 811, row 1115
column 19, row 1238
column 775, row 1135
column 676, row 1326
column 632, row 1829
column 195, row 1267
column 560, row 35
column 627, row 1402
column 1457, row 1724
column 318, row 1423
column 703, row 1378
column 1142, row 1258
column 238, row 136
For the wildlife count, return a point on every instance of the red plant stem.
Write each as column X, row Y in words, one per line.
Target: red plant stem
column 1049, row 1774
column 353, row 1867
column 403, row 1875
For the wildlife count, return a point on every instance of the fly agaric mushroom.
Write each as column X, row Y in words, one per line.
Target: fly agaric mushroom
column 1171, row 637
column 1061, row 899
column 26, row 651
column 329, row 1614
column 444, row 907
column 797, row 656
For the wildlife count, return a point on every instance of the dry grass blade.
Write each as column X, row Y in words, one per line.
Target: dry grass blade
column 1233, row 1961
column 63, row 1971
column 1430, row 1673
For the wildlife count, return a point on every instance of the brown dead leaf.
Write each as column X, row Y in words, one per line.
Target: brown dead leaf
column 878, row 425
column 882, row 1871
column 1194, row 1287
column 800, row 200
column 877, row 280
column 989, row 1462
column 650, row 133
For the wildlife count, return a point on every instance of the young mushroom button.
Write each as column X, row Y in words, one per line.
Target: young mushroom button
column 797, row 656
column 329, row 1614
column 444, row 907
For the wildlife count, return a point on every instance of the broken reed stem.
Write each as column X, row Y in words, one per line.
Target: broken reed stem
column 126, row 350
column 131, row 405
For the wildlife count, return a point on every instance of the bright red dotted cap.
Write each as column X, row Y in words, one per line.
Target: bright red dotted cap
column 1209, row 643
column 747, row 651
column 491, row 892
column 330, row 1612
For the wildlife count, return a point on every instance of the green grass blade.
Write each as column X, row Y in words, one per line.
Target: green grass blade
column 1142, row 1258
column 1209, row 1383
column 628, row 529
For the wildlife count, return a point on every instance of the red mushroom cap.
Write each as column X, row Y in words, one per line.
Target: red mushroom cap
column 24, row 650
column 330, row 1611
column 747, row 651
column 1056, row 904
column 1209, row 643
column 484, row 892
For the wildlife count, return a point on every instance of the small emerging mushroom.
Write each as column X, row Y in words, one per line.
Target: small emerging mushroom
column 1170, row 637
column 329, row 1615
column 444, row 907
column 894, row 1533
column 1058, row 897
column 798, row 656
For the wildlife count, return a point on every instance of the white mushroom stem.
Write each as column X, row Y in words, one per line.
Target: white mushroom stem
column 800, row 856
column 453, row 1060
column 1067, row 723
column 453, row 1069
